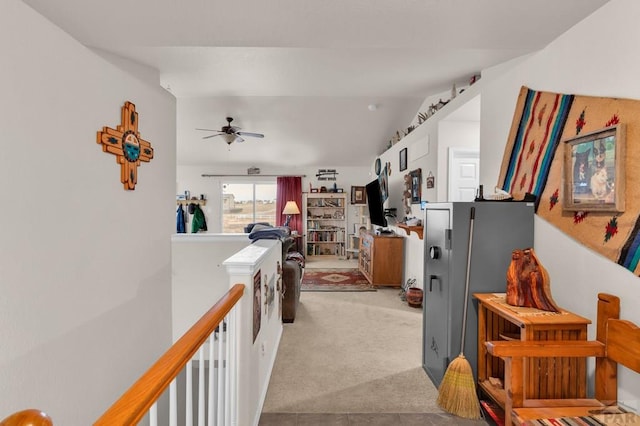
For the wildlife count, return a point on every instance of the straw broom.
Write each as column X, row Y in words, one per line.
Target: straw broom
column 457, row 392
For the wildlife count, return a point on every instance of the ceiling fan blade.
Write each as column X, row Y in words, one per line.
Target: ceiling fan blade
column 253, row 135
column 239, row 139
column 211, row 136
column 209, row 130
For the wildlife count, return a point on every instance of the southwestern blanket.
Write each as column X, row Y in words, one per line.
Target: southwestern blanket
column 533, row 163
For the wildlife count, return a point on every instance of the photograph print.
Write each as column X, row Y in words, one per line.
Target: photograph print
column 594, row 171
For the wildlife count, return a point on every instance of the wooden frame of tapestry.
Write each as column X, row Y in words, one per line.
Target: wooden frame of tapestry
column 594, row 172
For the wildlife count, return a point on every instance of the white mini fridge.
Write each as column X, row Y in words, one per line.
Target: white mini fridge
column 499, row 228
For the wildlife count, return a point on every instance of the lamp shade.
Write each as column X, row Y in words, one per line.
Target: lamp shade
column 291, row 208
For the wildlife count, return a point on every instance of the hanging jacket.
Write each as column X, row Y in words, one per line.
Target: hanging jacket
column 180, row 220
column 198, row 223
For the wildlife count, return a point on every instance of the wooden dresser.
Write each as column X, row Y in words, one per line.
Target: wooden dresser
column 381, row 258
column 543, row 378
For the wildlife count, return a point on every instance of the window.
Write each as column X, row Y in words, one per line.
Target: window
column 245, row 203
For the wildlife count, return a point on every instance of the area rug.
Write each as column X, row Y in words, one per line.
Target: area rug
column 335, row 280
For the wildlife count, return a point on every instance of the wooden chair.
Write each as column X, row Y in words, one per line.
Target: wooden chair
column 617, row 342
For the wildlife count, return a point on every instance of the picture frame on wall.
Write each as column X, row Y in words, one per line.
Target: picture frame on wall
column 403, row 159
column 594, row 173
column 358, row 195
column 416, row 186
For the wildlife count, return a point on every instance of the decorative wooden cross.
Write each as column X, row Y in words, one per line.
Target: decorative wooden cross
column 125, row 143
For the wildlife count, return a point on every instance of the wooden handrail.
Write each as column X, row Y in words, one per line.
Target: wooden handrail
column 138, row 399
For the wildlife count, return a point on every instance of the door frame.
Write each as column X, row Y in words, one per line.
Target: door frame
column 455, row 154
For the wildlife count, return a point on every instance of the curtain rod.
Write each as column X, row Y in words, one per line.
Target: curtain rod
column 208, row 175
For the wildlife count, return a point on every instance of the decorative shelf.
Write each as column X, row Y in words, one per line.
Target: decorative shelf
column 201, row 202
column 417, row 229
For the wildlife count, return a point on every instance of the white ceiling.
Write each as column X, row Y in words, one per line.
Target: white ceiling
column 302, row 72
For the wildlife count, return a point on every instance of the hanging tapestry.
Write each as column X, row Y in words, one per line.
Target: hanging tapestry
column 533, row 163
column 533, row 141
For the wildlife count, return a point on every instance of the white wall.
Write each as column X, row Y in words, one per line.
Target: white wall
column 594, row 58
column 84, row 264
column 199, row 278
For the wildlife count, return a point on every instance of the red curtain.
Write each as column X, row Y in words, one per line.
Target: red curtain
column 289, row 189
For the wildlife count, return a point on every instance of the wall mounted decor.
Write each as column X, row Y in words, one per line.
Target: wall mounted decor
column 431, row 181
column 257, row 304
column 358, row 195
column 383, row 179
column 326, row 174
column 403, row 159
column 594, row 174
column 416, row 186
column 125, row 143
column 530, row 165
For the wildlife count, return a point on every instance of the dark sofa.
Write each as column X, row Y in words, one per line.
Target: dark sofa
column 292, row 266
column 291, row 281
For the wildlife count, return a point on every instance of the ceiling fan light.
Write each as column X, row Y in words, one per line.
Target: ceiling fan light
column 229, row 138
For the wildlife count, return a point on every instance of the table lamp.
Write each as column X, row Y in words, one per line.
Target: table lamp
column 290, row 208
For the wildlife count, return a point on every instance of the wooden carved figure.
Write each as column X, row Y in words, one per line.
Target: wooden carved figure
column 528, row 282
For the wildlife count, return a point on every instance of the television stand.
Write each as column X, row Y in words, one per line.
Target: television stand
column 381, row 259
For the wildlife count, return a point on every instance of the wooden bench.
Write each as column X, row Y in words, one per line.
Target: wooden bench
column 617, row 342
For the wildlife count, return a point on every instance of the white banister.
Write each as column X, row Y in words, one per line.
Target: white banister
column 188, row 412
column 153, row 415
column 222, row 374
column 211, row 412
column 173, row 404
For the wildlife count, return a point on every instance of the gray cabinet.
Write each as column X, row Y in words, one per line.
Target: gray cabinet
column 499, row 228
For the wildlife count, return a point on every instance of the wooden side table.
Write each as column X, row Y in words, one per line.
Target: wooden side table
column 543, row 378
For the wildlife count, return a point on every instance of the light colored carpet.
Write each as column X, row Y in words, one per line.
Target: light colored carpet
column 351, row 353
column 330, row 263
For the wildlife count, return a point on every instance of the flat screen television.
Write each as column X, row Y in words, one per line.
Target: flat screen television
column 375, row 203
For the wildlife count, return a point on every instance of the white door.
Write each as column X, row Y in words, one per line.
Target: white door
column 464, row 169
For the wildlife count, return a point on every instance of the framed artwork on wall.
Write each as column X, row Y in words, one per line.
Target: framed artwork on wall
column 358, row 195
column 594, row 175
column 403, row 159
column 416, row 186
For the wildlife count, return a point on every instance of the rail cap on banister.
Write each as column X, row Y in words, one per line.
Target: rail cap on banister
column 251, row 256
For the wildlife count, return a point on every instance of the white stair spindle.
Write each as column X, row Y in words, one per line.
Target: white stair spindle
column 232, row 366
column 188, row 411
column 227, row 373
column 153, row 415
column 173, row 404
column 201, row 413
column 221, row 374
column 210, row 409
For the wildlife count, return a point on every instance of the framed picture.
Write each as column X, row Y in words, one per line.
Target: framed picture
column 358, row 195
column 593, row 174
column 403, row 159
column 257, row 305
column 416, row 186
column 383, row 179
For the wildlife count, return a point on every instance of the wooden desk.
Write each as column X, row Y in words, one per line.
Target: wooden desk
column 543, row 378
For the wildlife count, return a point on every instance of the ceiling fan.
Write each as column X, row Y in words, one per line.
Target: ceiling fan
column 231, row 133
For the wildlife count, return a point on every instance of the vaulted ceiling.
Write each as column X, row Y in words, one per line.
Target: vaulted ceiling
column 304, row 73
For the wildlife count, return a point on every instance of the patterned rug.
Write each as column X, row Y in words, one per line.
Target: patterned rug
column 335, row 280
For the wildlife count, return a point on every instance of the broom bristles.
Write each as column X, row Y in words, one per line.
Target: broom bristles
column 457, row 392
